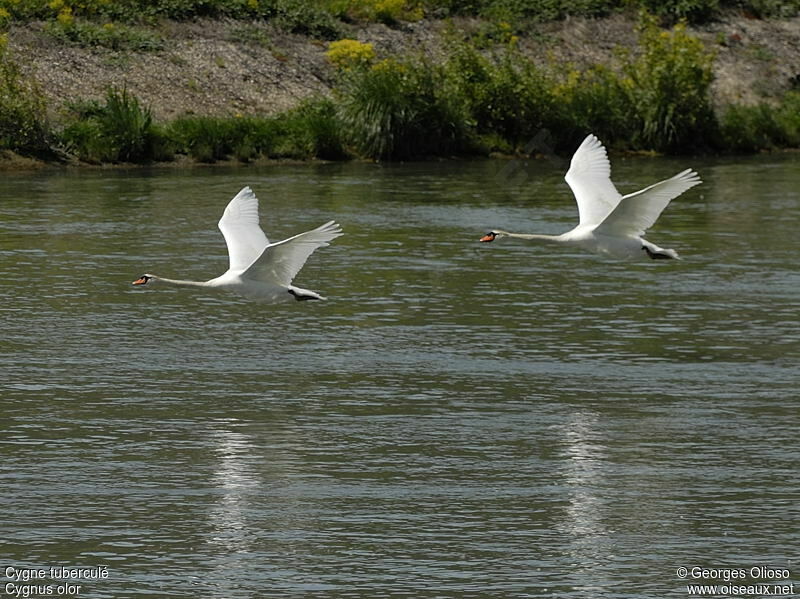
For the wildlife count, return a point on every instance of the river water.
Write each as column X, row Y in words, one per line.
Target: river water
column 457, row 420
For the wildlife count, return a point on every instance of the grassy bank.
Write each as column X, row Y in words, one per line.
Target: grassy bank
column 328, row 18
column 478, row 98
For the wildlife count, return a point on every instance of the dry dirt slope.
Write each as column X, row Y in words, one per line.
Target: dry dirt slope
column 226, row 67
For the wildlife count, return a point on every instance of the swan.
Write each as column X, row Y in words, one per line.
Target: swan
column 258, row 269
column 611, row 223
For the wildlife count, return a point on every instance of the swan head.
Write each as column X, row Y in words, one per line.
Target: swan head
column 144, row 279
column 491, row 236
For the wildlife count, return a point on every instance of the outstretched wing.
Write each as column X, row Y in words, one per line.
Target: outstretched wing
column 589, row 177
column 239, row 226
column 638, row 211
column 280, row 262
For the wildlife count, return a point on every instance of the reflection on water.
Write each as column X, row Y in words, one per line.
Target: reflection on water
column 582, row 473
column 235, row 482
column 458, row 420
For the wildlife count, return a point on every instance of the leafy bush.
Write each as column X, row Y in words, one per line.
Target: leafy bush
column 592, row 100
column 23, row 110
column 763, row 126
column 508, row 95
column 668, row 89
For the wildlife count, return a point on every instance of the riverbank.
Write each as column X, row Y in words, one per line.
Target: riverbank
column 223, row 68
column 233, row 69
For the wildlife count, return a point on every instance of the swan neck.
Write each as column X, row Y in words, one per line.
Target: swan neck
column 534, row 236
column 182, row 282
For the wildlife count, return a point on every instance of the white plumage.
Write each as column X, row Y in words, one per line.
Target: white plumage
column 258, row 269
column 610, row 223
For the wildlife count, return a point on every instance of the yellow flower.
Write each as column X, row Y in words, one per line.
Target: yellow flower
column 390, row 65
column 65, row 16
column 347, row 54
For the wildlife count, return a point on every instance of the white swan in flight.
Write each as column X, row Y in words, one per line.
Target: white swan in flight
column 258, row 269
column 611, row 223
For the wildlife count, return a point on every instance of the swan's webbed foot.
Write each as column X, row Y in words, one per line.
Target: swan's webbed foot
column 664, row 255
column 303, row 296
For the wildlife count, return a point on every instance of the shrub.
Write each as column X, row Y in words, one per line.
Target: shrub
column 23, row 110
column 668, row 89
column 592, row 100
column 763, row 126
column 508, row 95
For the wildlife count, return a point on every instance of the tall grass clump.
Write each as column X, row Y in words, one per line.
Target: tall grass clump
column 119, row 130
column 401, row 109
column 23, row 109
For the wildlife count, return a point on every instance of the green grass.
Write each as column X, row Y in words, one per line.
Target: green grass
column 119, row 37
column 308, row 131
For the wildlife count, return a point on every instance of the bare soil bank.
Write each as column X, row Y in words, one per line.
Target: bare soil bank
column 229, row 67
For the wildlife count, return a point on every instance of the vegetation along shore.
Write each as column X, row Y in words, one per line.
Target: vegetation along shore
column 135, row 81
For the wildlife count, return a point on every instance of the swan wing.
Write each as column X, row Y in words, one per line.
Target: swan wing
column 638, row 211
column 280, row 262
column 589, row 177
column 243, row 235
